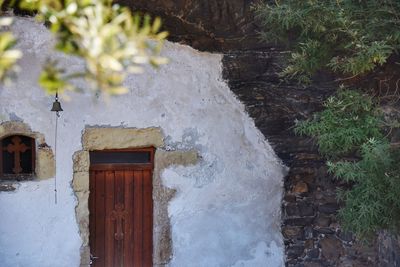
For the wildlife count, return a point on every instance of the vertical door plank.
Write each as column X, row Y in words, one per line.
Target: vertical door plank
column 147, row 219
column 119, row 200
column 138, row 217
column 99, row 210
column 128, row 223
column 110, row 224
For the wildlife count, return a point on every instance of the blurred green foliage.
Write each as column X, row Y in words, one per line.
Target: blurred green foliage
column 8, row 54
column 111, row 40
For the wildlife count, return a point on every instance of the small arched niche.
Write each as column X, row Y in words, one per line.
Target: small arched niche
column 24, row 154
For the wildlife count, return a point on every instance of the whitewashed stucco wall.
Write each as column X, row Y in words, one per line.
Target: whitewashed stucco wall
column 227, row 208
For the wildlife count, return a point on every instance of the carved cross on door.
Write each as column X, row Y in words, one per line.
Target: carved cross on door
column 118, row 215
column 17, row 148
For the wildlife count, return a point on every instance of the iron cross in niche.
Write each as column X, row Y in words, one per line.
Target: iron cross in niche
column 17, row 147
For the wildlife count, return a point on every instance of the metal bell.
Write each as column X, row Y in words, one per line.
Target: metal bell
column 56, row 105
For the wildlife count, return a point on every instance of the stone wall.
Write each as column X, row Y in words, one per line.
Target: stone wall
column 313, row 236
column 224, row 210
column 389, row 249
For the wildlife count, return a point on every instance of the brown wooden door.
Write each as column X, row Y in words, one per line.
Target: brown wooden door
column 121, row 215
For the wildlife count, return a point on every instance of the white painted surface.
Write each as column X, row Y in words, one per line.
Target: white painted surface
column 227, row 209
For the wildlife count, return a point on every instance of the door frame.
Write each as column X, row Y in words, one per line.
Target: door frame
column 127, row 167
column 101, row 137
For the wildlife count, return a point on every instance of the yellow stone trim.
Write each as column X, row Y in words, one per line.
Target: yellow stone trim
column 118, row 138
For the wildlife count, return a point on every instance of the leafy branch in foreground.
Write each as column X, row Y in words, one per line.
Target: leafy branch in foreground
column 109, row 38
column 351, row 125
column 8, row 54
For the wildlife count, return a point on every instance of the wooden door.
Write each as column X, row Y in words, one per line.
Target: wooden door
column 121, row 213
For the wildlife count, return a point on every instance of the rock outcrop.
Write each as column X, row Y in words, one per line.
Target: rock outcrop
column 207, row 25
